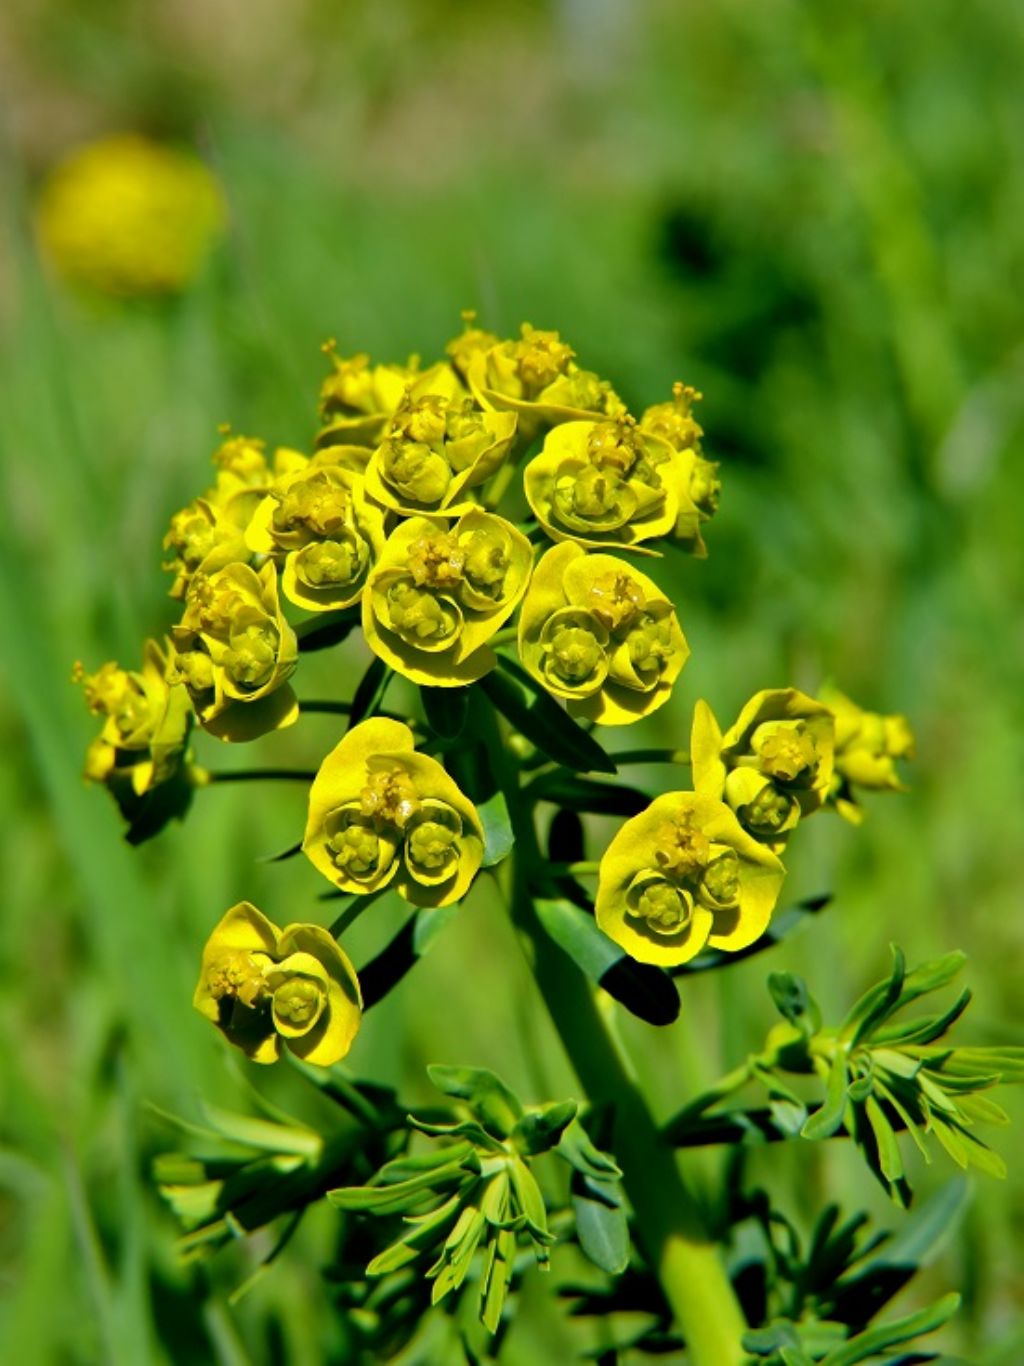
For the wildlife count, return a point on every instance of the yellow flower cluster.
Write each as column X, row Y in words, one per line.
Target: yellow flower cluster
column 403, row 520
column 126, row 216
column 396, row 512
column 701, row 869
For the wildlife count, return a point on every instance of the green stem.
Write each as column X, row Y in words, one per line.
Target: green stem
column 252, row 775
column 669, row 1224
column 328, row 708
column 651, row 756
column 585, row 868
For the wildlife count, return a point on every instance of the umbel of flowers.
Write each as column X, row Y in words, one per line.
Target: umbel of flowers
column 491, row 528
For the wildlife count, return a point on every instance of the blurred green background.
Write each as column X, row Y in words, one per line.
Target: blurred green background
column 812, row 213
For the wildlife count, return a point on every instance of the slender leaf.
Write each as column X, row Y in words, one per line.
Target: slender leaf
column 499, row 837
column 645, row 990
column 602, row 1231
column 446, row 710
column 825, row 1121
column 326, row 630
column 875, row 1340
column 370, row 692
column 544, row 723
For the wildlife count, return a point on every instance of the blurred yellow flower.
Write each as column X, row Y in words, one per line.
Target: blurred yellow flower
column 867, row 748
column 126, row 216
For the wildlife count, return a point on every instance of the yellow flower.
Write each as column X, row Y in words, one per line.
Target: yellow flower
column 684, row 875
column 434, row 451
column 867, row 748
column 604, row 484
column 261, row 985
column 379, row 813
column 537, row 378
column 125, row 216
column 146, row 721
column 358, row 398
column 317, row 522
column 698, row 485
column 440, row 590
column 140, row 755
column 602, row 636
column 234, row 652
column 772, row 766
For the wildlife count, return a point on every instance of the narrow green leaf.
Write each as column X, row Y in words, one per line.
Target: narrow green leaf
column 543, row 722
column 926, row 1030
column 930, row 976
column 573, row 793
column 603, row 1232
column 495, row 1104
column 576, row 1148
column 646, row 991
column 875, row 1340
column 827, row 1120
column 876, row 1004
column 428, row 923
column 446, row 710
column 889, row 1156
column 529, row 1198
column 400, row 1197
column 541, row 1128
column 499, row 838
column 370, row 692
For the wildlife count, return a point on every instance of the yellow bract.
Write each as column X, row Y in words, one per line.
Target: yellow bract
column 358, row 398
column 604, row 484
column 867, row 748
column 440, row 590
column 234, row 652
column 434, row 452
column 260, row 985
column 684, row 875
column 535, row 376
column 381, row 814
column 602, row 636
column 772, row 766
column 126, row 216
column 318, row 524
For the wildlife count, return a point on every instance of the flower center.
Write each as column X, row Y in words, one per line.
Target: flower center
column 436, row 561
column 252, row 657
column 681, row 849
column 665, row 909
column 238, row 975
column 615, row 599
column 298, row 1002
column 389, row 796
column 419, row 616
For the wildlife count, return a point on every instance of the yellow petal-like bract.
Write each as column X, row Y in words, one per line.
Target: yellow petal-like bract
column 868, row 746
column 772, row 766
column 600, row 635
column 440, row 590
column 381, row 814
column 261, row 985
column 684, row 875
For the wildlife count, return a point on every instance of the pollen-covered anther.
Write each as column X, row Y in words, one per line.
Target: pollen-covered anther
column 436, row 561
column 542, row 357
column 615, row 446
column 239, row 975
column 786, row 752
column 682, row 849
column 390, row 796
column 615, row 599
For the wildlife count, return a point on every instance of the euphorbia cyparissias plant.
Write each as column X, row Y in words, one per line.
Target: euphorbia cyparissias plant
column 488, row 531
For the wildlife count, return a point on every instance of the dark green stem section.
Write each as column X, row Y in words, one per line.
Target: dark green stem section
column 668, row 1220
column 252, row 775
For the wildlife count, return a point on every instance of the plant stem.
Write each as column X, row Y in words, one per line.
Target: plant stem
column 251, row 775
column 585, row 868
column 669, row 1225
column 651, row 756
